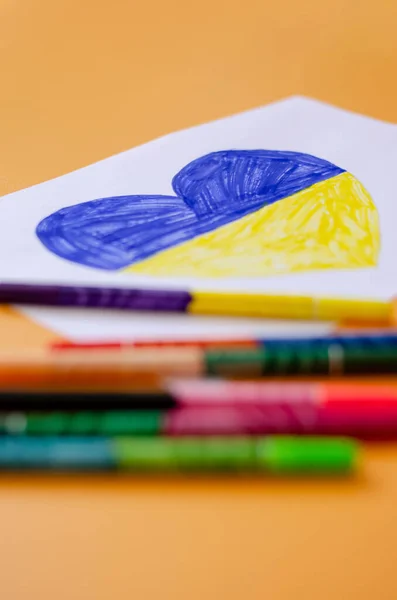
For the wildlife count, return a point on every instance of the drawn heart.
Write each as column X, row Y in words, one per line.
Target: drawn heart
column 235, row 213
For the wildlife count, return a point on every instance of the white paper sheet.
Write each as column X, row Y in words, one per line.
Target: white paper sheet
column 99, row 325
column 365, row 147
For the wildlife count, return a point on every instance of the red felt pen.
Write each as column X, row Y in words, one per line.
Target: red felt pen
column 231, row 408
column 221, row 392
column 171, row 343
column 303, row 419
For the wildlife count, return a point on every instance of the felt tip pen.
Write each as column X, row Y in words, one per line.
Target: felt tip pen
column 172, row 393
column 347, row 340
column 281, row 455
column 205, row 344
column 200, row 302
column 128, row 366
column 77, row 399
column 281, row 360
column 357, row 392
column 361, row 338
column 299, row 419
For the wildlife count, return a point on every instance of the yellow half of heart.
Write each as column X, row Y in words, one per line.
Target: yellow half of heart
column 331, row 225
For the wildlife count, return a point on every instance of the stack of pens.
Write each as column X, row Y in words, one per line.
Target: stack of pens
column 277, row 406
column 255, row 406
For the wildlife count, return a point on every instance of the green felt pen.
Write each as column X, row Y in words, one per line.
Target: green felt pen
column 283, row 454
column 104, row 423
column 272, row 454
column 301, row 359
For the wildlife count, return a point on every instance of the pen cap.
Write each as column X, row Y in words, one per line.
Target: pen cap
column 281, row 454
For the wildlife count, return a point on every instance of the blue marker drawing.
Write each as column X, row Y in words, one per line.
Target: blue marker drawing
column 241, row 181
column 211, row 192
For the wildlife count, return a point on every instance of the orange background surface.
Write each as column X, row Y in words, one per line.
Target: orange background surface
column 79, row 81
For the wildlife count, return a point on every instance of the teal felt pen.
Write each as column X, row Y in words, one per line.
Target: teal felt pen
column 272, row 454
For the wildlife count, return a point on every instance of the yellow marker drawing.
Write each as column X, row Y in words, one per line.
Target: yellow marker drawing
column 330, row 225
